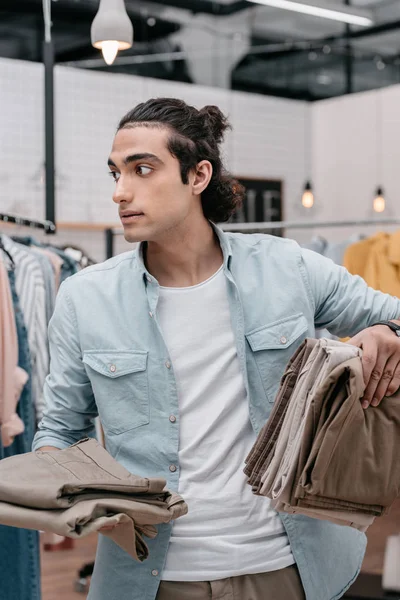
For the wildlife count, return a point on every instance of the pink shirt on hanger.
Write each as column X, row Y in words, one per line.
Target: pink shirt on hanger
column 12, row 377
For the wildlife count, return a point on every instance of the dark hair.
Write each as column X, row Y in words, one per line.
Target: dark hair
column 195, row 136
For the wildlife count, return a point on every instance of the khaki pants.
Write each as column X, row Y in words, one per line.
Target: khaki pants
column 284, row 584
column 320, row 453
column 81, row 489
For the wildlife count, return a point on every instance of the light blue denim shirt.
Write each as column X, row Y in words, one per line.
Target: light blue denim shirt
column 108, row 357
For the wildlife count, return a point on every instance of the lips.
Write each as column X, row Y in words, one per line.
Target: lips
column 130, row 214
column 130, row 217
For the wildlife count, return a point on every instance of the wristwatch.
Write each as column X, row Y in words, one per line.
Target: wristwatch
column 393, row 326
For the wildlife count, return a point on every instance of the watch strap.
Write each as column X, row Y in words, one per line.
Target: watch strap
column 393, row 326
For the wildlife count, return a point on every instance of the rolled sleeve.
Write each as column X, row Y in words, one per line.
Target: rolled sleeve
column 70, row 407
column 343, row 303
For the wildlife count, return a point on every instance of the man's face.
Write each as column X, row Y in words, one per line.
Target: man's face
column 152, row 199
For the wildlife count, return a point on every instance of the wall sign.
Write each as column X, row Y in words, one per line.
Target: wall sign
column 263, row 202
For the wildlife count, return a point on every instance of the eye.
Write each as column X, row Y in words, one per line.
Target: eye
column 142, row 170
column 114, row 175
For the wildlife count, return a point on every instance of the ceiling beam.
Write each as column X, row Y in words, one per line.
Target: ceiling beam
column 298, row 46
column 209, row 7
column 68, row 11
column 381, row 28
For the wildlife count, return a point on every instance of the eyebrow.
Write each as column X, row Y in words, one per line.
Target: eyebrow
column 135, row 157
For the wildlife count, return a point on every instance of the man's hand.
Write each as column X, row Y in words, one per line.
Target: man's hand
column 381, row 362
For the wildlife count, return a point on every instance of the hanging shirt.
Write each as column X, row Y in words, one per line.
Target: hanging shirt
column 31, row 291
column 336, row 250
column 12, row 377
column 377, row 260
column 56, row 262
column 49, row 280
column 228, row 531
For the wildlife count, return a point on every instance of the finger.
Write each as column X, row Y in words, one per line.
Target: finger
column 355, row 341
column 385, row 381
column 394, row 385
column 375, row 372
column 369, row 360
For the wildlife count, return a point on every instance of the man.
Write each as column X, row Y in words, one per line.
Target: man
column 179, row 347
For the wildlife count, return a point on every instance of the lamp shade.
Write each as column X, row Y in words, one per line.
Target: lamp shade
column 112, row 23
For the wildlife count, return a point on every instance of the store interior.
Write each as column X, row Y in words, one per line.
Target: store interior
column 313, row 100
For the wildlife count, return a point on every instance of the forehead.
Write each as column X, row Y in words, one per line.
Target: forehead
column 140, row 139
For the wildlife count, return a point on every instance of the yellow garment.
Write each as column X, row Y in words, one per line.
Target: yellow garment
column 356, row 256
column 377, row 260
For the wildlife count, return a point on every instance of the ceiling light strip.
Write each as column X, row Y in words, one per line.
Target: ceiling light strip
column 318, row 11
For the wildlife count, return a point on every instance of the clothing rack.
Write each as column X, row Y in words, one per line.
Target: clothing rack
column 48, row 226
column 265, row 226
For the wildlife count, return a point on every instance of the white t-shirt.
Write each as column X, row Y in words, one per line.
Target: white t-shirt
column 228, row 531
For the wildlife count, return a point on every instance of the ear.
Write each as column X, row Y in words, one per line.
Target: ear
column 202, row 175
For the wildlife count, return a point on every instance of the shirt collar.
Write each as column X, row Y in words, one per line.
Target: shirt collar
column 223, row 240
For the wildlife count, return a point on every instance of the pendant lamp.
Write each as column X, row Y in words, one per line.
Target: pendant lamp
column 379, row 201
column 307, row 199
column 112, row 29
column 379, row 204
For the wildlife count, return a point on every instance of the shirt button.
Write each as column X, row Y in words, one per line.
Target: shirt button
column 172, row 468
column 148, row 278
column 168, row 364
column 151, row 314
column 283, row 340
column 154, row 572
column 172, row 418
column 113, row 368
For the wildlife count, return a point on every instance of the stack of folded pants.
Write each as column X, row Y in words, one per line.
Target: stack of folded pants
column 320, row 453
column 79, row 490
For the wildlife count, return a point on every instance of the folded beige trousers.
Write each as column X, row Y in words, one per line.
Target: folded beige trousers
column 261, row 453
column 354, row 458
column 325, row 433
column 79, row 490
column 325, row 356
column 286, row 465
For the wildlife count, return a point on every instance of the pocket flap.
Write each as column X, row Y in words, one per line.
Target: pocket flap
column 115, row 364
column 279, row 334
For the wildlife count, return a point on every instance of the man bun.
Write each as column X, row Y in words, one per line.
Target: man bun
column 215, row 121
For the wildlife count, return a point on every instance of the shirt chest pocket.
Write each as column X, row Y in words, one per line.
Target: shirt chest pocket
column 120, row 386
column 272, row 346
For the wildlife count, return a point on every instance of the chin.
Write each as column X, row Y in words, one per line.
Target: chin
column 133, row 236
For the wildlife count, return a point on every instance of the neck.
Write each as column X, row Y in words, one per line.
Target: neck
column 187, row 258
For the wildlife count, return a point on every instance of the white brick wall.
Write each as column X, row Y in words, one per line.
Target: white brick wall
column 268, row 138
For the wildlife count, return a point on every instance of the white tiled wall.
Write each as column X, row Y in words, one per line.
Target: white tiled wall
column 355, row 148
column 21, row 137
column 268, row 139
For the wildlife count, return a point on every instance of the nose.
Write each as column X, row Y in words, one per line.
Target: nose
column 122, row 192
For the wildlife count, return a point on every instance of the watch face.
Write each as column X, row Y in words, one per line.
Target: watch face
column 397, row 332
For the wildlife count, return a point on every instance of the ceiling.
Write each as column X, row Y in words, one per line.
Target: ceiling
column 243, row 45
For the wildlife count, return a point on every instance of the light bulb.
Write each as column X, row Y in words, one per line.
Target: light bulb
column 109, row 49
column 307, row 199
column 379, row 203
